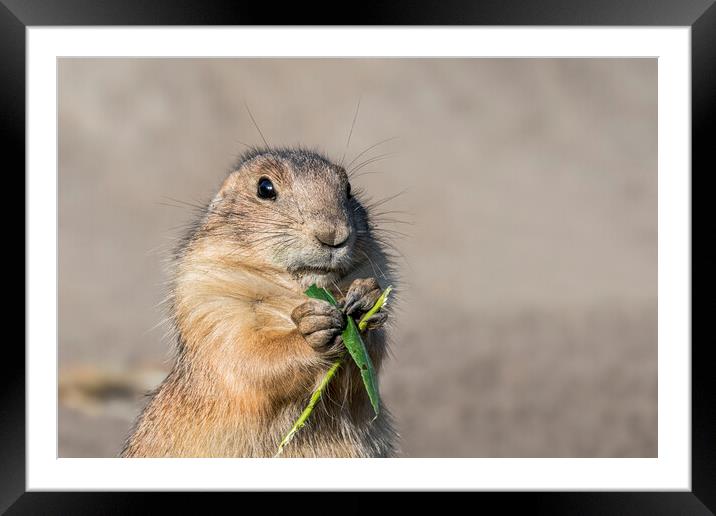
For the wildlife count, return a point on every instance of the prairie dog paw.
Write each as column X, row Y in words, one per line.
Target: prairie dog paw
column 320, row 324
column 361, row 296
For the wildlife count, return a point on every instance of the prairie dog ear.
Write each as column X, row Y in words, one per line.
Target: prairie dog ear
column 229, row 184
column 215, row 201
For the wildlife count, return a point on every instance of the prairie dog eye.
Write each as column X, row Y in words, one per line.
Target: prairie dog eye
column 348, row 190
column 266, row 189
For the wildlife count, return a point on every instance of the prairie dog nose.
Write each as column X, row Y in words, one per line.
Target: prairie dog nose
column 332, row 235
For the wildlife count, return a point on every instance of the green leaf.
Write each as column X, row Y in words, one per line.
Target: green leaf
column 356, row 347
column 320, row 293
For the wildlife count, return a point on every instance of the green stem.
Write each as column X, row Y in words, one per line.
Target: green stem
column 363, row 323
column 309, row 408
column 316, row 292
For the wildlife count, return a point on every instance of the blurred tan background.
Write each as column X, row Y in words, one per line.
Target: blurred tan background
column 527, row 325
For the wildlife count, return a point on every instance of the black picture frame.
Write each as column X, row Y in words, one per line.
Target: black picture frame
column 700, row 15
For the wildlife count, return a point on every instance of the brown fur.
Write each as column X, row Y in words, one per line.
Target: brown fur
column 251, row 346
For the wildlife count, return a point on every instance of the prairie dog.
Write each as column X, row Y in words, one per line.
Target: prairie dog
column 251, row 347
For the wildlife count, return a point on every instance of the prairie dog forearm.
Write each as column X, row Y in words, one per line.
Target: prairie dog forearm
column 250, row 345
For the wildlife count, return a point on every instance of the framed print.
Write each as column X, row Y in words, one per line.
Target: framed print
column 428, row 249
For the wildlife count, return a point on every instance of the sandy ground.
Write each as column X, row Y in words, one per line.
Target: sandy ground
column 527, row 317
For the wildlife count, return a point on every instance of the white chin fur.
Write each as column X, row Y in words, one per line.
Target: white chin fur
column 321, row 279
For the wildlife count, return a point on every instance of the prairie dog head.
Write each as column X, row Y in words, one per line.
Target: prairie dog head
column 293, row 211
